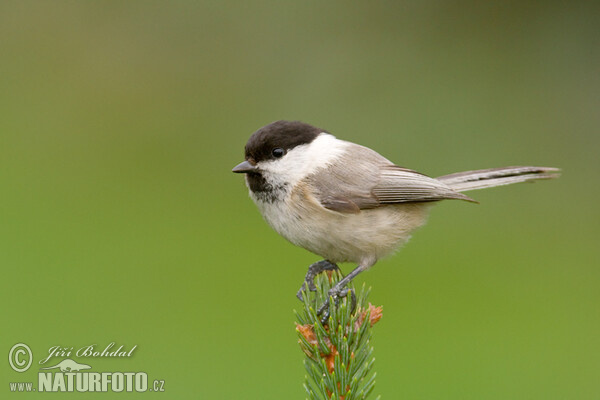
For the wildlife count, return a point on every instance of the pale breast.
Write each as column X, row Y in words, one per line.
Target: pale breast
column 340, row 237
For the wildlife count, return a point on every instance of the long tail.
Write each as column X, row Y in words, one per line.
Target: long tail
column 485, row 178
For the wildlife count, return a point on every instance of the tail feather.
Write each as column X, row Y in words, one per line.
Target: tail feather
column 485, row 178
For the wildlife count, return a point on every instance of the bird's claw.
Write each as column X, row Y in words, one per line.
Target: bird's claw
column 311, row 287
column 313, row 271
column 336, row 294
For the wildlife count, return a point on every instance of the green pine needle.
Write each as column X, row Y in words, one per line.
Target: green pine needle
column 338, row 355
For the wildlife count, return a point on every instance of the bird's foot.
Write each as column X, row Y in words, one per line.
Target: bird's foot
column 336, row 293
column 314, row 270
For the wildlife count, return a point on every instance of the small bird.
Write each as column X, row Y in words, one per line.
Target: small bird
column 346, row 202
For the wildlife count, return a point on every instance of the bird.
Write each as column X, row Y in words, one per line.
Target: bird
column 345, row 202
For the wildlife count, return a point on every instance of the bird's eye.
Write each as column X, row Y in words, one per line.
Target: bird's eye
column 278, row 152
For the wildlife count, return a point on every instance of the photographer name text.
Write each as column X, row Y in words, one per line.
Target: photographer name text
column 91, row 350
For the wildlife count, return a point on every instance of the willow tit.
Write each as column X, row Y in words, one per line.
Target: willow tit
column 346, row 202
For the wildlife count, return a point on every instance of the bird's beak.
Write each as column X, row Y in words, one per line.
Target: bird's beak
column 244, row 168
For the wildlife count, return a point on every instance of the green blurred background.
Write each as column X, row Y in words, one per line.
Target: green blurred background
column 121, row 221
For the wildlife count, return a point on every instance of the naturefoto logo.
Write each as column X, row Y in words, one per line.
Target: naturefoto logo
column 68, row 375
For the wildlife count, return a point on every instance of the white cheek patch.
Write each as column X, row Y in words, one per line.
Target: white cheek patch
column 303, row 160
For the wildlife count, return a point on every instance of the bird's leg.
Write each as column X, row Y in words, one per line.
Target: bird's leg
column 314, row 270
column 340, row 291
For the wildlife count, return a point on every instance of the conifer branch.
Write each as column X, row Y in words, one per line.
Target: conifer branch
column 338, row 354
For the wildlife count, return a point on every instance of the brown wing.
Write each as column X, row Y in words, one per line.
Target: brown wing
column 363, row 179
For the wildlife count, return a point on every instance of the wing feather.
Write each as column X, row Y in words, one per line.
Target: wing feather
column 362, row 179
column 401, row 185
